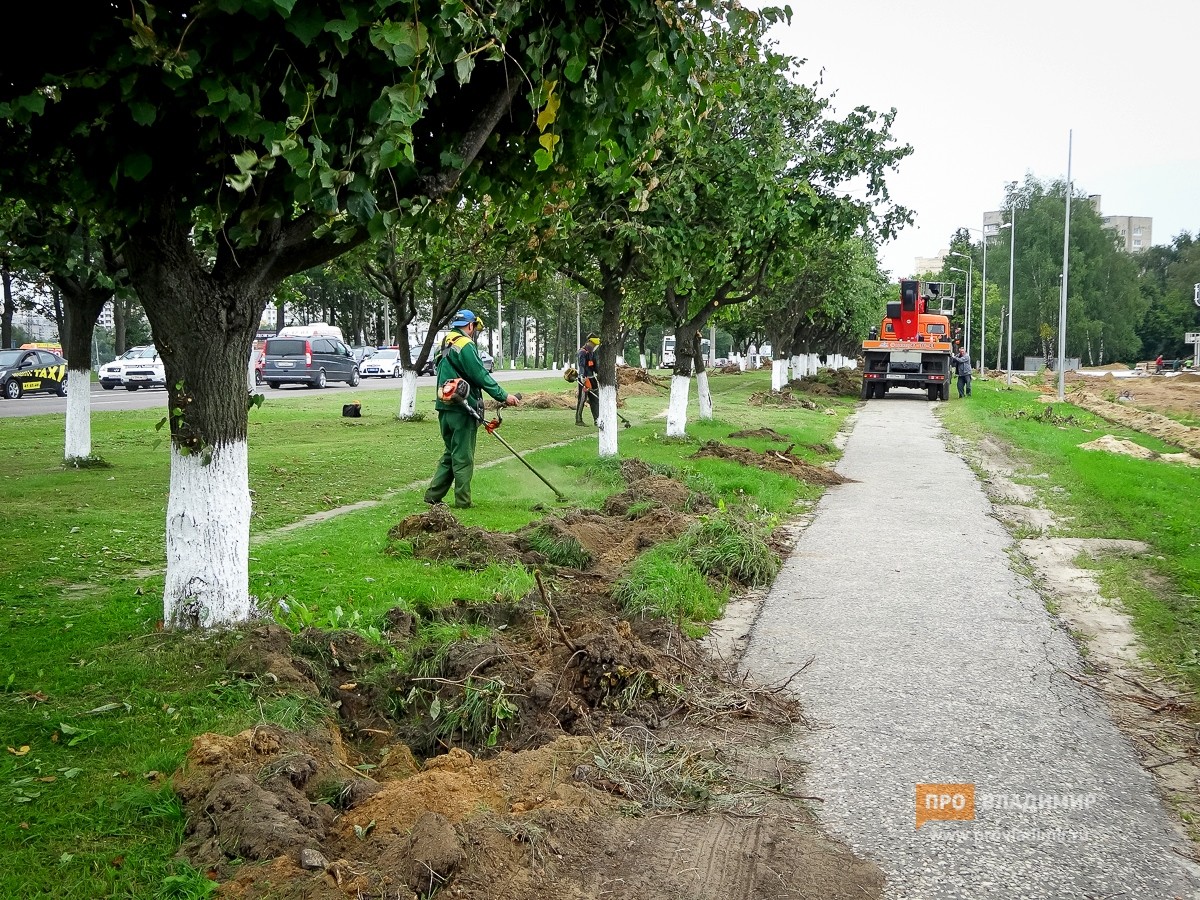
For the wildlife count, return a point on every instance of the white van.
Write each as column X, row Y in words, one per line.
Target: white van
column 316, row 329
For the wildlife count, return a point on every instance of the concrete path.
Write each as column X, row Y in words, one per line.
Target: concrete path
column 933, row 662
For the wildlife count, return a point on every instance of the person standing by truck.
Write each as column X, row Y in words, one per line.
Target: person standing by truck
column 962, row 366
column 458, row 357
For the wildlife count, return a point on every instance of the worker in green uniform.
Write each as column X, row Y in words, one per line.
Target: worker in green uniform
column 458, row 358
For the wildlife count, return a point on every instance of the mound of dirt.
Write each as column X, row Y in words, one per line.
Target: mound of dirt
column 829, row 383
column 1112, row 444
column 783, row 462
column 653, row 508
column 627, row 375
column 783, row 398
column 1138, row 404
column 547, row 400
column 769, row 433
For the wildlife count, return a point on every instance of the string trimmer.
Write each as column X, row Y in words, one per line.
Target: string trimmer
column 572, row 375
column 457, row 390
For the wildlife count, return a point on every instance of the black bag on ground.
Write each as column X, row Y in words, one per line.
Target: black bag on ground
column 352, row 410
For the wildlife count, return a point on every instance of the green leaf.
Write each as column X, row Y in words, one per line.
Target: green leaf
column 341, row 27
column 435, row 709
column 575, row 67
column 543, row 159
column 138, row 165
column 143, row 113
column 463, row 66
column 306, row 23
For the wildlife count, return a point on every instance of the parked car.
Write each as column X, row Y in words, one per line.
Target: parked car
column 361, row 353
column 137, row 367
column 27, row 371
column 384, row 364
column 314, row 361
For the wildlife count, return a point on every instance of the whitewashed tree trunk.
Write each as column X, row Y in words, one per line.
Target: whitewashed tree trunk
column 778, row 374
column 741, row 359
column 705, row 395
column 814, row 363
column 642, row 356
column 681, row 386
column 608, row 421
column 408, row 393
column 798, row 368
column 79, row 413
column 621, row 359
column 208, row 539
column 251, row 384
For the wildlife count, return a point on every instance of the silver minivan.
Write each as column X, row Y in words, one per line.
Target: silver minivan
column 314, row 361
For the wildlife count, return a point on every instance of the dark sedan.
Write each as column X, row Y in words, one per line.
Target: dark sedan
column 27, row 371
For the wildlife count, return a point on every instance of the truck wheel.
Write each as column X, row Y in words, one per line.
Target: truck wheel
column 868, row 388
column 946, row 390
column 932, row 392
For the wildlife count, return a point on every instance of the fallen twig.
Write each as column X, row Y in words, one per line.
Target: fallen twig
column 562, row 632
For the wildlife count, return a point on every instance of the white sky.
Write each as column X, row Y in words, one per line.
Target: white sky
column 986, row 92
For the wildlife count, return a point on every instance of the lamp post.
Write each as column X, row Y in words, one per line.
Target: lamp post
column 970, row 271
column 1012, row 257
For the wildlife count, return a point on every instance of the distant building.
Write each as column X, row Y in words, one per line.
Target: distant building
column 930, row 263
column 106, row 317
column 1135, row 232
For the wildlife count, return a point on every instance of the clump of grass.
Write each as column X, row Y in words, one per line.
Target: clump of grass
column 559, row 548
column 733, row 547
column 665, row 582
column 91, row 461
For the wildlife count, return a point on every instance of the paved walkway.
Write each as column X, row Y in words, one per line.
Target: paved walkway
column 933, row 662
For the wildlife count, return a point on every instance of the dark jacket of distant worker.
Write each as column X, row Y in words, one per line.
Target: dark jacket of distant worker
column 458, row 358
column 962, row 366
column 588, row 388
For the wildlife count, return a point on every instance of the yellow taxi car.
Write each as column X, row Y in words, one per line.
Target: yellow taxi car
column 30, row 370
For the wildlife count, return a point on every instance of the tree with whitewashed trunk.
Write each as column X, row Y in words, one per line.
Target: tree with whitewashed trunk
column 426, row 271
column 81, row 263
column 219, row 178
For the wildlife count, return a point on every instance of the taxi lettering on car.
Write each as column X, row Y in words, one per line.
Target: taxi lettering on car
column 29, row 370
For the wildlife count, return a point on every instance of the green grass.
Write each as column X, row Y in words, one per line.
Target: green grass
column 107, row 704
column 1112, row 496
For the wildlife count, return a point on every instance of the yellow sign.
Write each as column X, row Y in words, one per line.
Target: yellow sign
column 945, row 803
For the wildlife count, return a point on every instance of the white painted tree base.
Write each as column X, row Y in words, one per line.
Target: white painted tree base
column 705, row 395
column 681, row 386
column 79, row 414
column 608, row 421
column 798, row 370
column 779, row 372
column 408, row 393
column 208, row 540
column 642, row 356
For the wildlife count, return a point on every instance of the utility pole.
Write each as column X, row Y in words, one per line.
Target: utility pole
column 1062, row 302
column 498, row 350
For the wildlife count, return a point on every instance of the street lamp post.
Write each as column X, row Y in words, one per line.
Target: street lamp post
column 1012, row 257
column 969, row 273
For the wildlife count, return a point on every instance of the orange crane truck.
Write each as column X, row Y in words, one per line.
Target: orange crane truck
column 912, row 346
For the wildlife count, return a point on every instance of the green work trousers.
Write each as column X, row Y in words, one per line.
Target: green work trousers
column 457, row 464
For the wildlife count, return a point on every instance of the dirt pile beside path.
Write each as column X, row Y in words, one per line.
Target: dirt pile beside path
column 653, row 508
column 1112, row 444
column 1146, row 392
column 829, row 383
column 784, row 398
column 769, row 433
column 781, row 461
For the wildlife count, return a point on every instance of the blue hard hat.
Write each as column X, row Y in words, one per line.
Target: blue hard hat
column 463, row 317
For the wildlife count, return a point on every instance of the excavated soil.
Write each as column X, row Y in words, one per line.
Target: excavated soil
column 1140, row 403
column 829, row 383
column 785, row 398
column 572, row 753
column 782, row 461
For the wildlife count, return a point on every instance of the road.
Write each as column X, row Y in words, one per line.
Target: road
column 153, row 398
column 933, row 661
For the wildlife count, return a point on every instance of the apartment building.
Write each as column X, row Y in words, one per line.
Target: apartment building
column 1135, row 232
